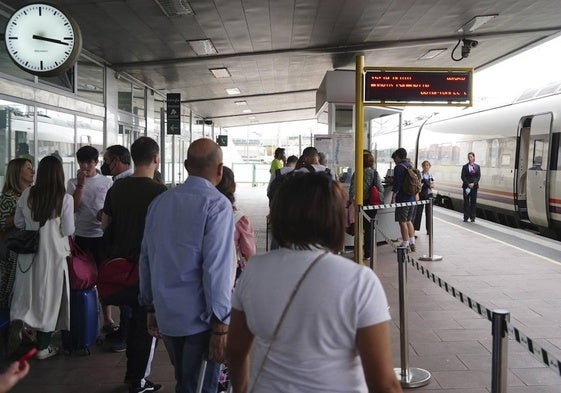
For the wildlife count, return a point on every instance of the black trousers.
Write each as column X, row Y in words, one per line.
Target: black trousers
column 417, row 217
column 470, row 202
column 140, row 347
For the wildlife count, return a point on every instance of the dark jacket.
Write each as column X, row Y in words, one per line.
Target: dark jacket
column 468, row 177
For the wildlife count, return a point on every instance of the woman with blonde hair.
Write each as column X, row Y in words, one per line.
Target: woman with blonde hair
column 304, row 318
column 19, row 176
column 41, row 296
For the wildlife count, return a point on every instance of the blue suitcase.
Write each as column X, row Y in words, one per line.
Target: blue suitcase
column 84, row 321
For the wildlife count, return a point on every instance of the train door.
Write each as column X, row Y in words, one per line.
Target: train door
column 533, row 167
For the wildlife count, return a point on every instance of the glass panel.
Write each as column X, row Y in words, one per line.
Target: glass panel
column 138, row 105
column 55, row 134
column 125, row 95
column 90, row 80
column 16, row 133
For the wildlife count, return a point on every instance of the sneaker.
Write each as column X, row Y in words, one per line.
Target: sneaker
column 14, row 336
column 412, row 247
column 148, row 387
column 119, row 346
column 51, row 350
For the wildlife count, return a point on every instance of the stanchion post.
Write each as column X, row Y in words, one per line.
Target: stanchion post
column 429, row 217
column 499, row 369
column 409, row 377
column 267, row 233
column 359, row 235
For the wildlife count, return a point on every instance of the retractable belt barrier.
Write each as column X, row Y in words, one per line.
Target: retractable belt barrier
column 400, row 204
column 515, row 333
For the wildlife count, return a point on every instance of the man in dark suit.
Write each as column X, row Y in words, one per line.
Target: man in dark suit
column 471, row 173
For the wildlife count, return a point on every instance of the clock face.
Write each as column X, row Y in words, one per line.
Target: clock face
column 42, row 40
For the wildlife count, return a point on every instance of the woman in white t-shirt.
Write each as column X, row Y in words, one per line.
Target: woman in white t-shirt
column 334, row 335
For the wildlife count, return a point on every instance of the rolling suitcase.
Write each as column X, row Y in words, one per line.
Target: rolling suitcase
column 84, row 321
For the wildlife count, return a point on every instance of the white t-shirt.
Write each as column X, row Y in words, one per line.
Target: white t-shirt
column 316, row 345
column 93, row 196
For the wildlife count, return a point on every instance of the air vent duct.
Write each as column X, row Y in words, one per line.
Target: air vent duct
column 175, row 7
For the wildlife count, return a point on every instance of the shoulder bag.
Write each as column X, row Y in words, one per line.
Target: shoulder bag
column 23, row 241
column 283, row 315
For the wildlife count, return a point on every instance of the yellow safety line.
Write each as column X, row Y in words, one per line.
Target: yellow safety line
column 500, row 241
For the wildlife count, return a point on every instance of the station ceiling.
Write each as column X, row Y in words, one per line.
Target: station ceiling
column 278, row 51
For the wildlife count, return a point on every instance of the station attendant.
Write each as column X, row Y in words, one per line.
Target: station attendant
column 471, row 173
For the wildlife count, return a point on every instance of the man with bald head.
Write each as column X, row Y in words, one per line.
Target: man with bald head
column 186, row 268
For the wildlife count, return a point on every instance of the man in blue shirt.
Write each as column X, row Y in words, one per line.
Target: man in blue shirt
column 403, row 215
column 186, row 268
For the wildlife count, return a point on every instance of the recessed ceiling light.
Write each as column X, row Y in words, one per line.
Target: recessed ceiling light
column 175, row 7
column 246, row 111
column 233, row 91
column 432, row 53
column 475, row 23
column 251, row 117
column 220, row 72
column 240, row 102
column 202, row 47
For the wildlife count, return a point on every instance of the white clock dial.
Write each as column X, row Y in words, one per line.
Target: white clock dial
column 42, row 40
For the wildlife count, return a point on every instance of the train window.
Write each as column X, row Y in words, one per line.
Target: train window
column 494, row 153
column 537, row 154
column 555, row 151
column 481, row 149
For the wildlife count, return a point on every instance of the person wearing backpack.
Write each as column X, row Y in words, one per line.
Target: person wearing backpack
column 373, row 194
column 402, row 192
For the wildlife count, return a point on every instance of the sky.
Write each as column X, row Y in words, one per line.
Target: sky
column 503, row 81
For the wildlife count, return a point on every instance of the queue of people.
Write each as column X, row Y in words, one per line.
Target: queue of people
column 180, row 264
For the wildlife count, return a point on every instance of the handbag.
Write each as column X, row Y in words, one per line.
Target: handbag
column 284, row 312
column 82, row 269
column 374, row 195
column 116, row 274
column 23, row 241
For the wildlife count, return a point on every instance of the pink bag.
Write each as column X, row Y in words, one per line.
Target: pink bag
column 82, row 269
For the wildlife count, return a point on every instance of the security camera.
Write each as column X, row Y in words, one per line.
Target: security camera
column 470, row 43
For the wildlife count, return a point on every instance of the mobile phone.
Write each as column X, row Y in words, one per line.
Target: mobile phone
column 28, row 355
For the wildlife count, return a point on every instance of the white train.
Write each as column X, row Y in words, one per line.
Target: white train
column 517, row 146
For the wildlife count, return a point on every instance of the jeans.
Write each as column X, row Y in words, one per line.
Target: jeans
column 186, row 354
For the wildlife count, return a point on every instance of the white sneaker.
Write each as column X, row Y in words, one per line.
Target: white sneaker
column 51, row 350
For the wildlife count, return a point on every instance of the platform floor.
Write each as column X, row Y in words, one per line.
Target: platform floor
column 496, row 266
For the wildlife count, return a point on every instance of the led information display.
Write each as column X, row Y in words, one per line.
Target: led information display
column 402, row 87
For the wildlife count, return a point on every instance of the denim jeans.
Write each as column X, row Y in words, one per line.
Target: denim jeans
column 186, row 354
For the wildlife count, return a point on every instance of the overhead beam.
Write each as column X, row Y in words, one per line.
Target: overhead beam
column 260, row 113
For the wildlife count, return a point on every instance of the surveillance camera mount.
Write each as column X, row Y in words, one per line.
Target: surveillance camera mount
column 467, row 45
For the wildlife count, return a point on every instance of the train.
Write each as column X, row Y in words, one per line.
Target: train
column 517, row 145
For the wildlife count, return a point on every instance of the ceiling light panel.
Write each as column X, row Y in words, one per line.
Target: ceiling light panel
column 233, row 91
column 202, row 47
column 220, row 72
column 240, row 102
column 475, row 23
column 175, row 7
column 432, row 53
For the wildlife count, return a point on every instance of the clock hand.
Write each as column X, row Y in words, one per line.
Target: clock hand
column 41, row 38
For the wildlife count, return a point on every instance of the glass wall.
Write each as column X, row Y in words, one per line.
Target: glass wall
column 90, row 80
column 55, row 134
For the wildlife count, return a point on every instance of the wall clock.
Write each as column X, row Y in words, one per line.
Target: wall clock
column 43, row 40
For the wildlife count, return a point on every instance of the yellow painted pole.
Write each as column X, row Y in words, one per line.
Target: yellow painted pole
column 359, row 167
